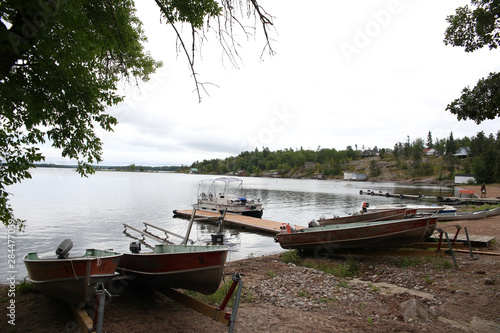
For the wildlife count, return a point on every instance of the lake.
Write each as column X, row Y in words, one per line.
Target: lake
column 59, row 204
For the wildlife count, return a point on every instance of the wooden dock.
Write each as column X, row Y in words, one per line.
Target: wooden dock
column 241, row 221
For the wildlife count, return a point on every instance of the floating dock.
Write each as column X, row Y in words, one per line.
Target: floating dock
column 241, row 221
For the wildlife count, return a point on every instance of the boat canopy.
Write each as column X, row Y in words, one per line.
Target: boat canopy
column 226, row 180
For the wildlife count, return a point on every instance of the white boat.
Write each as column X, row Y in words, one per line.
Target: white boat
column 421, row 209
column 493, row 212
column 457, row 216
column 221, row 193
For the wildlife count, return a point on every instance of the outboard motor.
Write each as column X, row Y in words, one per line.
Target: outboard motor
column 135, row 247
column 314, row 224
column 64, row 248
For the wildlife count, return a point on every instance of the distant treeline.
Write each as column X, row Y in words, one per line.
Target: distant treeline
column 483, row 159
column 131, row 167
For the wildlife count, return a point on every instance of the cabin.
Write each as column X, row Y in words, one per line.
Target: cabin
column 463, row 152
column 319, row 176
column 463, row 178
column 368, row 153
column 430, row 152
column 193, row 171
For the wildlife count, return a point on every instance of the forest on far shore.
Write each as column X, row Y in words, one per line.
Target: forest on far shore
column 482, row 160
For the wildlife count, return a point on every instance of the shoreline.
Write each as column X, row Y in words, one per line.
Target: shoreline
column 283, row 297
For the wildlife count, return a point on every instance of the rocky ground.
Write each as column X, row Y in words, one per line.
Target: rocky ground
column 386, row 294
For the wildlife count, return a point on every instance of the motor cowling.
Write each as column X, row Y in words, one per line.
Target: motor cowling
column 63, row 249
column 135, row 247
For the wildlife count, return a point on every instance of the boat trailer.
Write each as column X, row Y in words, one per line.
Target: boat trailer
column 216, row 313
column 433, row 249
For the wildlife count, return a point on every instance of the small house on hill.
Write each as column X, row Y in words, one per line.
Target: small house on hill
column 430, row 152
column 368, row 153
column 463, row 152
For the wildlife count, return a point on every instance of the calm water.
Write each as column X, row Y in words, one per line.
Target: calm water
column 59, row 204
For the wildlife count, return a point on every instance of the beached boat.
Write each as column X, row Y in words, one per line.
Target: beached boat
column 421, row 209
column 457, row 216
column 392, row 233
column 72, row 279
column 190, row 267
column 493, row 212
column 221, row 193
column 383, row 215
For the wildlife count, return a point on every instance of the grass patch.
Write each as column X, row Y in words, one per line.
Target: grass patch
column 405, row 262
column 373, row 288
column 349, row 268
column 343, row 284
column 217, row 297
column 291, row 257
column 442, row 263
column 303, row 293
column 428, row 280
column 25, row 287
column 271, row 274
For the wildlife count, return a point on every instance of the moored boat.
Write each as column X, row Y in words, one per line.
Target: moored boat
column 71, row 279
column 392, row 233
column 390, row 214
column 190, row 267
column 221, row 193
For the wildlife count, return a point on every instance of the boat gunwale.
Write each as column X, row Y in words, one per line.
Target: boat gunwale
column 81, row 258
column 359, row 225
column 190, row 270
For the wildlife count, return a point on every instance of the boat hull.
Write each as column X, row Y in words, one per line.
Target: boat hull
column 252, row 211
column 445, row 217
column 73, row 279
column 421, row 209
column 394, row 233
column 391, row 214
column 196, row 268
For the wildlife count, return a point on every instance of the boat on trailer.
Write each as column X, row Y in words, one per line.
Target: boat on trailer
column 72, row 279
column 190, row 267
column 216, row 194
column 376, row 234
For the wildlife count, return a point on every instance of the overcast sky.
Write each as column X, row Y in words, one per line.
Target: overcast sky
column 365, row 73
